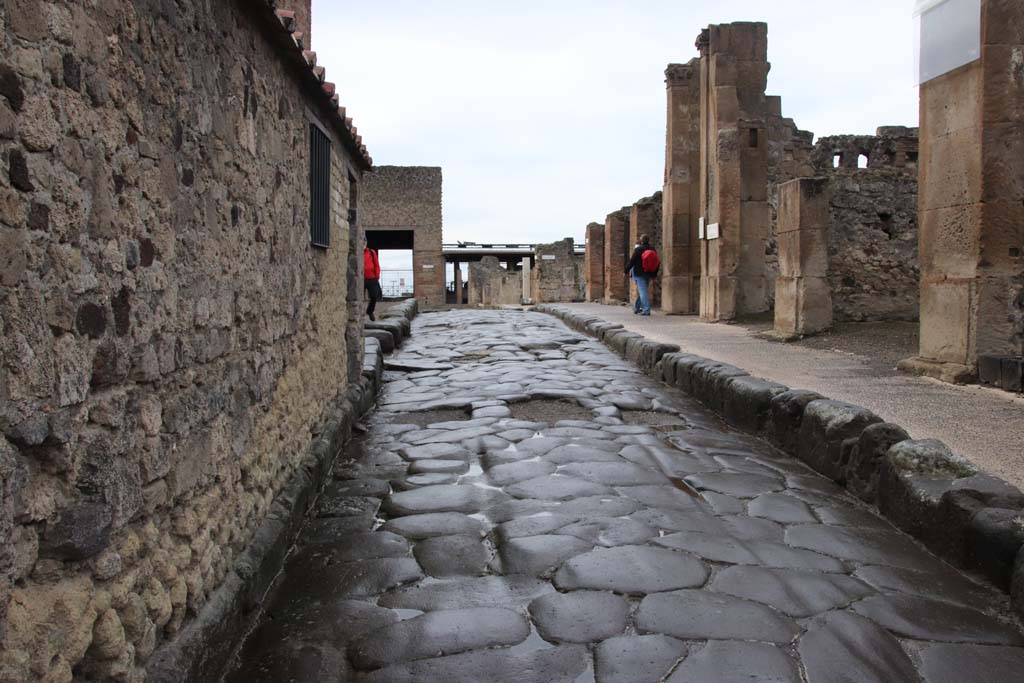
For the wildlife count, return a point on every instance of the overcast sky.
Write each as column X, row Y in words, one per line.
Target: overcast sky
column 546, row 116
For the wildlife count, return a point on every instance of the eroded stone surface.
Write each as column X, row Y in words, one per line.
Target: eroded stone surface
column 841, row 647
column 703, row 615
column 579, row 616
column 461, row 555
column 926, row 619
column 631, row 659
column 796, row 593
column 632, row 570
column 734, row 662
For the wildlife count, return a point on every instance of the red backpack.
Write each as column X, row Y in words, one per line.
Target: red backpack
column 649, row 261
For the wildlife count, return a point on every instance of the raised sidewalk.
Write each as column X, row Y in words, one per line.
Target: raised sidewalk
column 984, row 425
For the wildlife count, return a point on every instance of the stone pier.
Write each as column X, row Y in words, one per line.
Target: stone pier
column 803, row 299
column 680, row 253
column 645, row 219
column 616, row 254
column 734, row 162
column 595, row 262
column 972, row 204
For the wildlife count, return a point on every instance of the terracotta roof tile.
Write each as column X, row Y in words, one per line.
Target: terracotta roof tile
column 285, row 31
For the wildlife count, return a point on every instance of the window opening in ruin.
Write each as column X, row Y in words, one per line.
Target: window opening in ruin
column 319, row 187
column 837, row 160
column 395, row 250
column 911, row 157
column 753, row 138
column 862, row 161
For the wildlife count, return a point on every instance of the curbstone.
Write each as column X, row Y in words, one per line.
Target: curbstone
column 825, row 426
column 962, row 501
column 386, row 339
column 787, row 416
column 994, row 539
column 863, row 468
column 747, row 402
column 990, row 369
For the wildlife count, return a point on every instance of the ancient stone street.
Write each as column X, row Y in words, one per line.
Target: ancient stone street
column 527, row 507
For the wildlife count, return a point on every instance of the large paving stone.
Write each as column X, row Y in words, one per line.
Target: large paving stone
column 460, row 555
column 557, row 487
column 609, row 532
column 563, row 664
column 743, row 528
column 870, row 546
column 792, row 592
column 438, row 633
column 703, row 615
column 950, row 663
column 539, row 445
column 719, row 548
column 739, row 485
column 434, row 451
column 840, row 647
column 926, row 619
column 421, row 480
column 663, row 496
column 578, row 453
column 590, row 507
column 781, row 508
column 539, row 555
column 533, row 525
column 636, row 659
column 444, row 498
column 486, row 591
column 579, row 616
column 514, row 509
column 633, row 570
column 613, row 473
column 511, row 473
column 732, row 662
column 938, row 581
column 439, row 467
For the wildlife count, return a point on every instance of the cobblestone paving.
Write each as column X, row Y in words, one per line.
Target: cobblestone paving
column 530, row 508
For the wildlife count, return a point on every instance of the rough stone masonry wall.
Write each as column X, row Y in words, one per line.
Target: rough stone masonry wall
column 409, row 198
column 558, row 273
column 873, row 242
column 169, row 339
column 491, row 285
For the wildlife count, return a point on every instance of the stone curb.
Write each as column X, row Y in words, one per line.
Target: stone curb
column 972, row 519
column 202, row 651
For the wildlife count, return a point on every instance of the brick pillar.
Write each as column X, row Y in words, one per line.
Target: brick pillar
column 680, row 255
column 595, row 262
column 803, row 297
column 617, row 251
column 971, row 204
column 645, row 219
column 458, row 283
column 734, row 170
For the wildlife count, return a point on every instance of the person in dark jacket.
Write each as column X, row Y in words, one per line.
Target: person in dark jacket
column 635, row 269
column 371, row 280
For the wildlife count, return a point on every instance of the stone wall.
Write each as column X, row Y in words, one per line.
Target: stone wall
column 409, row 198
column 491, row 285
column 170, row 341
column 873, row 262
column 558, row 273
column 595, row 262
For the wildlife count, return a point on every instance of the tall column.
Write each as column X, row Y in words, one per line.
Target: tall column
column 616, row 255
column 971, row 203
column 680, row 256
column 803, row 296
column 594, row 262
column 458, row 283
column 527, row 285
column 734, row 170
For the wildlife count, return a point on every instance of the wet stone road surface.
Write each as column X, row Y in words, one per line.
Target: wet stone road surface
column 529, row 508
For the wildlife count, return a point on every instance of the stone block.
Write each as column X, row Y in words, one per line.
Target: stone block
column 825, row 426
column 803, row 253
column 78, row 533
column 964, row 498
column 708, row 380
column 1002, row 166
column 787, row 412
column 951, row 170
column 1013, row 374
column 385, row 337
column 990, row 369
column 747, row 402
column 863, row 469
column 994, row 539
column 946, row 321
column 949, row 241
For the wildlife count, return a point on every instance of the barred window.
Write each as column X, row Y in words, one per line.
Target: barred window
column 319, row 187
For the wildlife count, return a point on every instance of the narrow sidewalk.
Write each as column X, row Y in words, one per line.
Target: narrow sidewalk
column 984, row 425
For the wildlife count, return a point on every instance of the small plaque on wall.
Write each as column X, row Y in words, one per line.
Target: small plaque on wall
column 712, row 231
column 700, row 228
column 547, row 257
column 428, row 266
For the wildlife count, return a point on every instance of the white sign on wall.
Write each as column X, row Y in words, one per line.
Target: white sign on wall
column 701, row 233
column 712, row 231
column 428, row 266
column 547, row 257
column 949, row 36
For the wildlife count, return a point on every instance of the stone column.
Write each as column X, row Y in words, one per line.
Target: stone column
column 527, row 287
column 645, row 219
column 458, row 283
column 616, row 254
column 734, row 170
column 595, row 262
column 803, row 298
column 680, row 255
column 971, row 204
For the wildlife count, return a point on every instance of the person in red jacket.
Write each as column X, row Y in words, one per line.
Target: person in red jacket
column 371, row 279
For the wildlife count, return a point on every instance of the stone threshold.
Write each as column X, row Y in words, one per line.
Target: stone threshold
column 202, row 651
column 972, row 519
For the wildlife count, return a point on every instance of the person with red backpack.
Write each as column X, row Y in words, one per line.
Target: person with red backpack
column 643, row 267
column 371, row 279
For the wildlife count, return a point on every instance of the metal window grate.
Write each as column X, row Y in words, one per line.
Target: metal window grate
column 319, row 187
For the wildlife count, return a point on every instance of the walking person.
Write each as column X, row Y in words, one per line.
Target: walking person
column 371, row 280
column 642, row 268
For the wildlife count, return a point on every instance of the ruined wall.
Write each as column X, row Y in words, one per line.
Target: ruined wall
column 491, row 285
column 616, row 255
column 873, row 261
column 558, row 273
column 169, row 340
column 409, row 198
column 645, row 219
column 594, row 262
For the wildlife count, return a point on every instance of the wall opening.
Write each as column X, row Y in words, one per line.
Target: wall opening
column 862, row 161
column 837, row 160
column 396, row 262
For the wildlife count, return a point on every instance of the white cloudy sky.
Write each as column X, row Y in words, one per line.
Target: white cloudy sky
column 548, row 115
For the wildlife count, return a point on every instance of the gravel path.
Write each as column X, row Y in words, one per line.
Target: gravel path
column 529, row 508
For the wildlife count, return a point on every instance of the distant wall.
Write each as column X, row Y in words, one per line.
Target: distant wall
column 558, row 273
column 491, row 285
